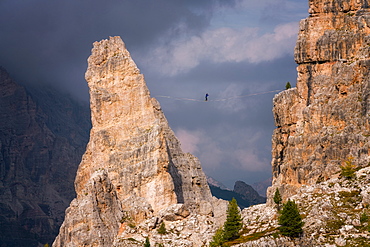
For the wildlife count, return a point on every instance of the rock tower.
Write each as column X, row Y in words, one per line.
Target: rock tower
column 133, row 175
column 322, row 124
column 324, row 121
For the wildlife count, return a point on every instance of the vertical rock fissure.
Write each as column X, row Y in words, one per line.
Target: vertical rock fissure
column 177, row 180
column 309, row 84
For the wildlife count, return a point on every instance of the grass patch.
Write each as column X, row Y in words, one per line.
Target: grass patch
column 359, row 242
column 364, row 218
column 350, row 199
column 333, row 225
column 254, row 236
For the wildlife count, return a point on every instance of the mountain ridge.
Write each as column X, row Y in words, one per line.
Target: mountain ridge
column 244, row 194
column 38, row 162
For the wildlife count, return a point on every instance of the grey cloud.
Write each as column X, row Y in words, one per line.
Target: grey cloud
column 224, row 129
column 49, row 41
column 280, row 11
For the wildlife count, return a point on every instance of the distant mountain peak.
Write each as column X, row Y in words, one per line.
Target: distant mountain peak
column 216, row 183
column 244, row 194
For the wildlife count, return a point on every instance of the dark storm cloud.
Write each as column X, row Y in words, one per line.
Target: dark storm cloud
column 185, row 48
column 49, row 41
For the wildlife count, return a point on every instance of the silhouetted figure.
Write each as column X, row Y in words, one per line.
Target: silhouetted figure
column 207, row 96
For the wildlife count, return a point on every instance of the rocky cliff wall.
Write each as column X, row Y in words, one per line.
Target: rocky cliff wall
column 42, row 138
column 324, row 121
column 133, row 175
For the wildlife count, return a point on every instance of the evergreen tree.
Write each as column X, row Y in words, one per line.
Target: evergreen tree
column 233, row 223
column 147, row 243
column 277, row 199
column 290, row 220
column 287, row 85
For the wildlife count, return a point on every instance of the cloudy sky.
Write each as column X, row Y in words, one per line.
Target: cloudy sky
column 230, row 49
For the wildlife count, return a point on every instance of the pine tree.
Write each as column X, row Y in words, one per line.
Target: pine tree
column 290, row 220
column 233, row 223
column 277, row 199
column 147, row 242
column 287, row 85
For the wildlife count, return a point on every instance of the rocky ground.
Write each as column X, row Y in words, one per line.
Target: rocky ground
column 179, row 233
column 334, row 212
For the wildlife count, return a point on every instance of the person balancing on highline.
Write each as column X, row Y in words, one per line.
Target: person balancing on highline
column 206, row 97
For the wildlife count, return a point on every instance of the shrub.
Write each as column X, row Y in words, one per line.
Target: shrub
column 348, row 169
column 218, row 238
column 290, row 220
column 287, row 85
column 334, row 224
column 162, row 229
column 364, row 218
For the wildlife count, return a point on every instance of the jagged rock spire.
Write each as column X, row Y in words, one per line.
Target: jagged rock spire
column 133, row 167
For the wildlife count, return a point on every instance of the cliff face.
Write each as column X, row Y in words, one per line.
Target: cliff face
column 39, row 153
column 133, row 174
column 324, row 121
column 321, row 124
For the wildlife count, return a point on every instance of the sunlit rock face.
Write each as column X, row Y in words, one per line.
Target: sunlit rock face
column 324, row 121
column 133, row 174
column 320, row 124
